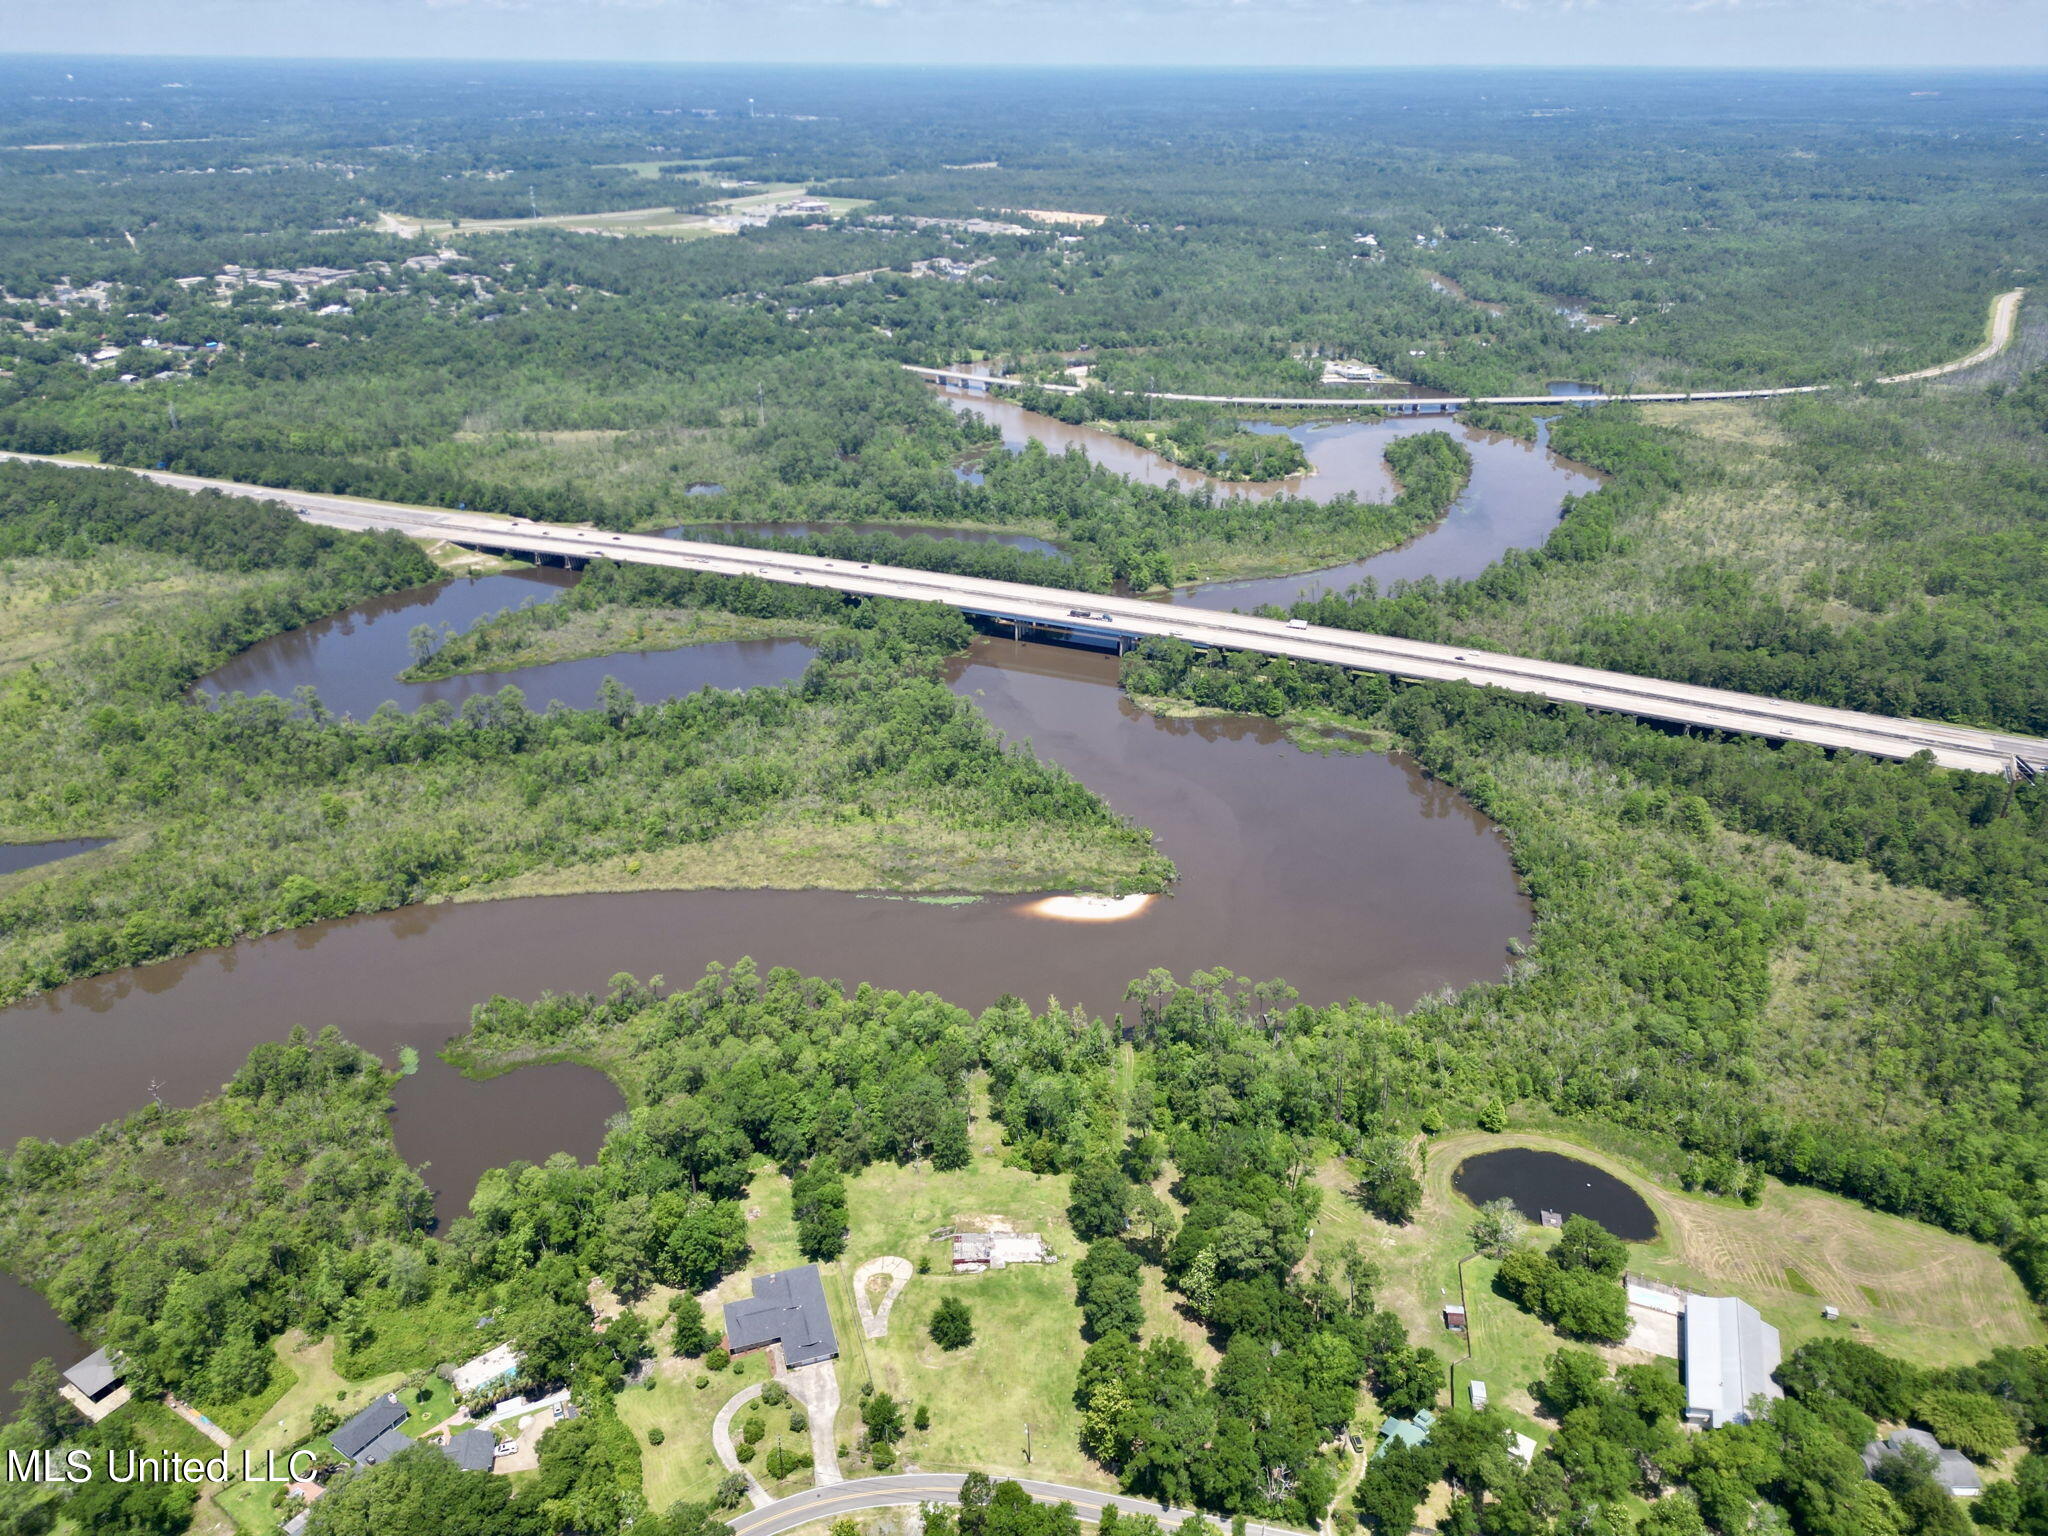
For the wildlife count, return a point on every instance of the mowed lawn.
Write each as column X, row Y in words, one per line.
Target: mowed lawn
column 683, row 1466
column 1027, row 1345
column 1923, row 1294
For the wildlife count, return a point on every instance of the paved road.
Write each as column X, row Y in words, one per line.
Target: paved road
column 2004, row 311
column 1124, row 618
column 1327, row 402
column 944, row 1488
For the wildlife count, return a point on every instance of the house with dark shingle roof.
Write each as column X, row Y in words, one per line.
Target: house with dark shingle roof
column 372, row 1436
column 1953, row 1471
column 787, row 1308
column 472, row 1449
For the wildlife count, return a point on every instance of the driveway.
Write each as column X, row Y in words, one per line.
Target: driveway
column 817, row 1388
column 721, row 1441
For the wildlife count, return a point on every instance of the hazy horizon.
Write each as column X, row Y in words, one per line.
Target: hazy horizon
column 1713, row 34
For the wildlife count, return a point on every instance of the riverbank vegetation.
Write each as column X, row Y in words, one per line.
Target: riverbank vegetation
column 536, row 634
column 1869, row 552
column 1670, row 908
column 1203, row 438
column 331, row 816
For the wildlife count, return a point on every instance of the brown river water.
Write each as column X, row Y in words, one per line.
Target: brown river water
column 1348, row 875
column 1516, row 495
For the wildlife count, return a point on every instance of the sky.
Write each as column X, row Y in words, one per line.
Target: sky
column 1909, row 34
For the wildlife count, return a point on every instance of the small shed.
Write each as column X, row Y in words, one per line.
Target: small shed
column 1478, row 1389
column 1454, row 1318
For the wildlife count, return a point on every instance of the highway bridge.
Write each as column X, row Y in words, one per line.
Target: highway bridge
column 1122, row 620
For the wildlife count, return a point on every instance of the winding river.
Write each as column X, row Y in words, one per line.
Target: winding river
column 1516, row 495
column 1350, row 875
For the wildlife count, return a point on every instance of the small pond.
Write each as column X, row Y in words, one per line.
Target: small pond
column 1550, row 1181
column 15, row 856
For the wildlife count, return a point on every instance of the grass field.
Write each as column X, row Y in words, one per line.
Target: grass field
column 663, row 220
column 683, row 1466
column 1020, row 1368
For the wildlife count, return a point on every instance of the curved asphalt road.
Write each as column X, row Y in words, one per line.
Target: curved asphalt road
column 944, row 1488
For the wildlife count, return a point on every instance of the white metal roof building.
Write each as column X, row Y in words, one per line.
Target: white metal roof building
column 996, row 1250
column 492, row 1365
column 1730, row 1352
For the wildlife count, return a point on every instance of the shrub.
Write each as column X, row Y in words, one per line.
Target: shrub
column 774, row 1394
column 325, row 1419
column 798, row 1421
column 692, row 1337
column 753, row 1429
column 1975, row 1423
column 716, row 1359
column 952, row 1326
column 743, row 1453
column 922, row 1419
column 883, row 1457
column 655, row 1436
column 731, row 1491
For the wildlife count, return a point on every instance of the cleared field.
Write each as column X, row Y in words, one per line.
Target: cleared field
column 1924, row 1294
column 663, row 220
column 1020, row 1368
column 1419, row 1275
column 620, row 221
